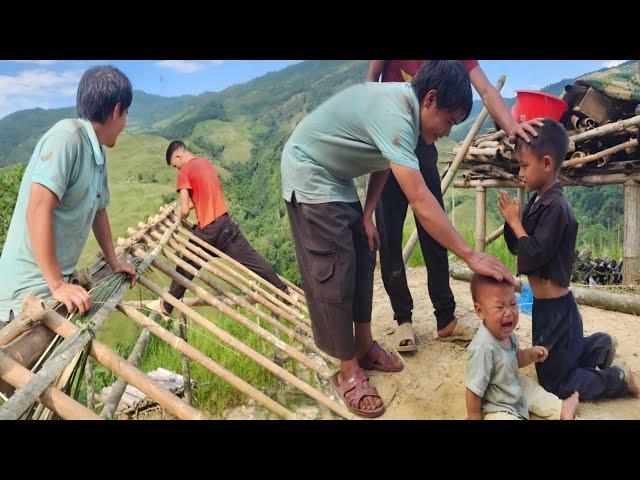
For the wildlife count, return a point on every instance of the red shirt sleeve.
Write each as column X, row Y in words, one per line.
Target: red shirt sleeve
column 183, row 179
column 470, row 64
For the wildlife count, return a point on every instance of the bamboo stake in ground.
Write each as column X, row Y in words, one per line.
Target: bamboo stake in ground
column 186, row 374
column 453, row 168
column 52, row 398
column 232, row 298
column 481, row 217
column 261, row 332
column 252, row 274
column 206, row 362
column 241, row 347
column 112, row 402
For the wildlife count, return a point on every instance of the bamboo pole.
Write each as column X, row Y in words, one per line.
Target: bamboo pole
column 481, row 217
column 112, row 402
column 186, row 374
column 52, row 398
column 606, row 129
column 241, row 347
column 241, row 267
column 493, row 236
column 488, row 151
column 230, row 281
column 241, row 319
column 234, row 271
column 581, row 161
column 197, row 356
column 233, row 299
column 453, row 168
column 109, row 359
column 631, row 241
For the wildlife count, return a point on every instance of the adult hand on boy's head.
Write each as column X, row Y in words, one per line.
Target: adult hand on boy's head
column 539, row 353
column 509, row 207
column 522, row 129
column 490, row 266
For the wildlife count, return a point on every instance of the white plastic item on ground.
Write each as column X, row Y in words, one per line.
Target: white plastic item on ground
column 166, row 378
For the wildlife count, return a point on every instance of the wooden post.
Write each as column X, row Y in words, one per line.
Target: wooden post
column 453, row 168
column 631, row 245
column 52, row 398
column 481, row 217
column 186, row 374
column 241, row 347
column 197, row 356
column 521, row 199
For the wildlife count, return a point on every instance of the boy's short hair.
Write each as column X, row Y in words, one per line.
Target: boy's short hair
column 478, row 281
column 552, row 140
column 450, row 79
column 99, row 90
column 173, row 146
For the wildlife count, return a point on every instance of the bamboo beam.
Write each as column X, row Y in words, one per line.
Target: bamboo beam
column 112, row 402
column 481, row 217
column 52, row 398
column 232, row 268
column 264, row 298
column 493, row 236
column 601, row 154
column 197, row 356
column 233, row 299
column 241, row 319
column 631, row 242
column 453, row 168
column 241, row 347
column 242, row 268
column 109, row 359
column 606, row 129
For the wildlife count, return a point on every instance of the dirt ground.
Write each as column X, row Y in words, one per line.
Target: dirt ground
column 431, row 386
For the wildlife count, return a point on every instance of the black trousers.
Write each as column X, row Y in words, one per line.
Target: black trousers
column 225, row 235
column 574, row 362
column 336, row 267
column 390, row 215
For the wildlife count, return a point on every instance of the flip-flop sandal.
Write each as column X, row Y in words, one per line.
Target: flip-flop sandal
column 352, row 390
column 462, row 333
column 406, row 332
column 369, row 361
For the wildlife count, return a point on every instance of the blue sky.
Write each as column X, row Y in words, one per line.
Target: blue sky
column 51, row 84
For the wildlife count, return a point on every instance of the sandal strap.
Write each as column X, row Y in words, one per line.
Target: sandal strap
column 355, row 378
column 353, row 389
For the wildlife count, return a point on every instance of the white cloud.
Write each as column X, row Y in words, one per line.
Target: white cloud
column 38, row 62
column 612, row 63
column 36, row 88
column 188, row 66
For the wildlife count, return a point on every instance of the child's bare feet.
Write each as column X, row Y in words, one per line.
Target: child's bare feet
column 569, row 407
column 632, row 381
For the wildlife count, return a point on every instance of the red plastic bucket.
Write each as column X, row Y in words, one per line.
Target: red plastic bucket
column 531, row 104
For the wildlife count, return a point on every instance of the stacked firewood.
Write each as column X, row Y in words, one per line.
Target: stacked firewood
column 596, row 271
column 603, row 134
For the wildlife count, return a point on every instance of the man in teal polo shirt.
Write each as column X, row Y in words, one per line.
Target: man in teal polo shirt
column 367, row 128
column 64, row 194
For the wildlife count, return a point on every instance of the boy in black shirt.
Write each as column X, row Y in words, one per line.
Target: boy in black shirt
column 544, row 242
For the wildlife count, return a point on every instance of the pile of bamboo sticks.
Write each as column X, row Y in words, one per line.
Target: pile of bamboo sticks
column 597, row 155
column 163, row 243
